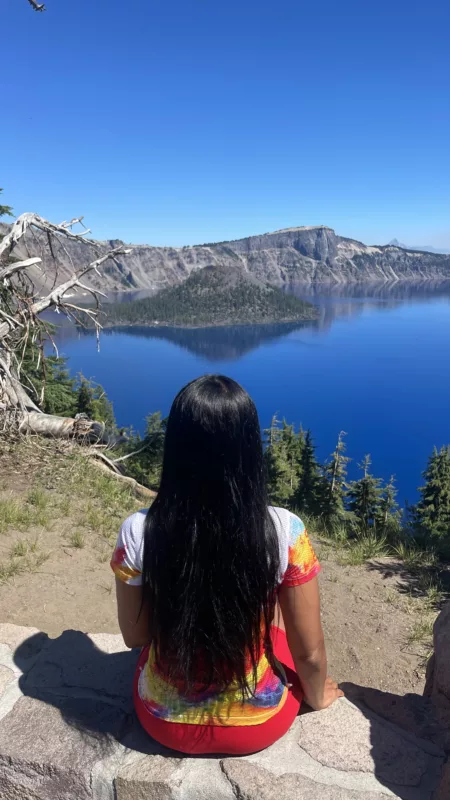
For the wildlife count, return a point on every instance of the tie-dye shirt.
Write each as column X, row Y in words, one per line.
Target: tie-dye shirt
column 298, row 564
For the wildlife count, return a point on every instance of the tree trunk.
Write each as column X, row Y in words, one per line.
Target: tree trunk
column 62, row 427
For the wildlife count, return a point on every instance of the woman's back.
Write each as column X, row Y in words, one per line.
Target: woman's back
column 167, row 697
column 198, row 578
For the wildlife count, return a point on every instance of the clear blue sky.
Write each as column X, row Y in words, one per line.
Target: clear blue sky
column 190, row 121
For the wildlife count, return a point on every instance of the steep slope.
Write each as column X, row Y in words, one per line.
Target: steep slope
column 306, row 254
column 215, row 295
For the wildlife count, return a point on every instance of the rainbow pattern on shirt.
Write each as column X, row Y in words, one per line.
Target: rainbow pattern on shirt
column 212, row 707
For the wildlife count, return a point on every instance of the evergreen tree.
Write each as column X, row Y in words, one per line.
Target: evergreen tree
column 146, row 466
column 311, row 486
column 432, row 513
column 364, row 496
column 85, row 399
column 5, row 210
column 388, row 515
column 292, row 444
column 48, row 381
column 92, row 401
column 335, row 472
column 278, row 471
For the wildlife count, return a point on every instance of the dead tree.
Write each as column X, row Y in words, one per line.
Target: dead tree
column 37, row 6
column 21, row 304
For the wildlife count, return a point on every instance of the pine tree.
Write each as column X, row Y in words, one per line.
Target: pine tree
column 85, row 399
column 92, row 401
column 292, row 444
column 146, row 467
column 335, row 472
column 278, row 468
column 310, row 492
column 48, row 381
column 387, row 518
column 432, row 513
column 5, row 210
column 364, row 496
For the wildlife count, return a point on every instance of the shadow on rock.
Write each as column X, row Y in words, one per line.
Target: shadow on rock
column 90, row 687
column 409, row 739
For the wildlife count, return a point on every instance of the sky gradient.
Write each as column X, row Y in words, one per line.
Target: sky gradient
column 187, row 122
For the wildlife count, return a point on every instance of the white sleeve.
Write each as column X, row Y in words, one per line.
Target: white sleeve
column 127, row 559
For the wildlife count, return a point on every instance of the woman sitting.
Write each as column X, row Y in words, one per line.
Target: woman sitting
column 219, row 589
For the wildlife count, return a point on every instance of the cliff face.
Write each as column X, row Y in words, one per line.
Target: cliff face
column 311, row 254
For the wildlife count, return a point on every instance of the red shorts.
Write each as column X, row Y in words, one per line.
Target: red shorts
column 225, row 739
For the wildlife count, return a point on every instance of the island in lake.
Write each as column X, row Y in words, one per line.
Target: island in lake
column 212, row 296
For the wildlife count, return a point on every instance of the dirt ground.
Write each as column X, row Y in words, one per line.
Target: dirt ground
column 59, row 518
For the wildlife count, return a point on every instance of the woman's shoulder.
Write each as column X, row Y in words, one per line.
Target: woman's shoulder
column 298, row 561
column 132, row 529
column 287, row 523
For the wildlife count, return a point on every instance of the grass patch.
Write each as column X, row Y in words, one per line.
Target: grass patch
column 13, row 514
column 421, row 632
column 360, row 550
column 64, row 506
column 20, row 514
column 34, row 564
column 413, row 558
column 10, row 569
column 78, row 539
column 20, row 549
column 38, row 498
column 433, row 591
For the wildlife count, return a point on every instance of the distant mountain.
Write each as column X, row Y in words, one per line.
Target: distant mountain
column 424, row 248
column 293, row 255
column 215, row 295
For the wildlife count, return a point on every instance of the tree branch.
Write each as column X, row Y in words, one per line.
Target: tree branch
column 37, row 6
column 56, row 296
column 30, row 220
column 17, row 266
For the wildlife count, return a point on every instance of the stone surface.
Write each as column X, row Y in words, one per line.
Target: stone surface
column 73, row 737
column 418, row 715
column 439, row 681
column 148, row 776
column 48, row 752
column 443, row 792
column 6, row 676
column 343, row 738
column 74, row 662
column 255, row 783
column 172, row 778
column 15, row 635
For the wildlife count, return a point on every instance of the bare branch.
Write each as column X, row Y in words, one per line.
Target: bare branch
column 56, row 296
column 21, row 324
column 130, row 455
column 30, row 220
column 37, row 6
column 17, row 266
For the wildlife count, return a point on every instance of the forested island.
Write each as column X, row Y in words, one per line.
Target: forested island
column 212, row 296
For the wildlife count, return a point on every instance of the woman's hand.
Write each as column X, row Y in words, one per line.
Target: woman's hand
column 331, row 692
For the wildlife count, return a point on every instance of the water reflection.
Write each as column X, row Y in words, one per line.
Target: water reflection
column 218, row 344
column 231, row 343
column 349, row 300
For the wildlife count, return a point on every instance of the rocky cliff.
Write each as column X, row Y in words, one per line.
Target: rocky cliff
column 307, row 254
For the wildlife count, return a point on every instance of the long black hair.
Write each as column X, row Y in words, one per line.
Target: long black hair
column 211, row 554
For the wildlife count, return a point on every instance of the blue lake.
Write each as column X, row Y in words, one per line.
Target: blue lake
column 376, row 365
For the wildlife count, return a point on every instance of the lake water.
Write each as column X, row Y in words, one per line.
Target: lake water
column 375, row 365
